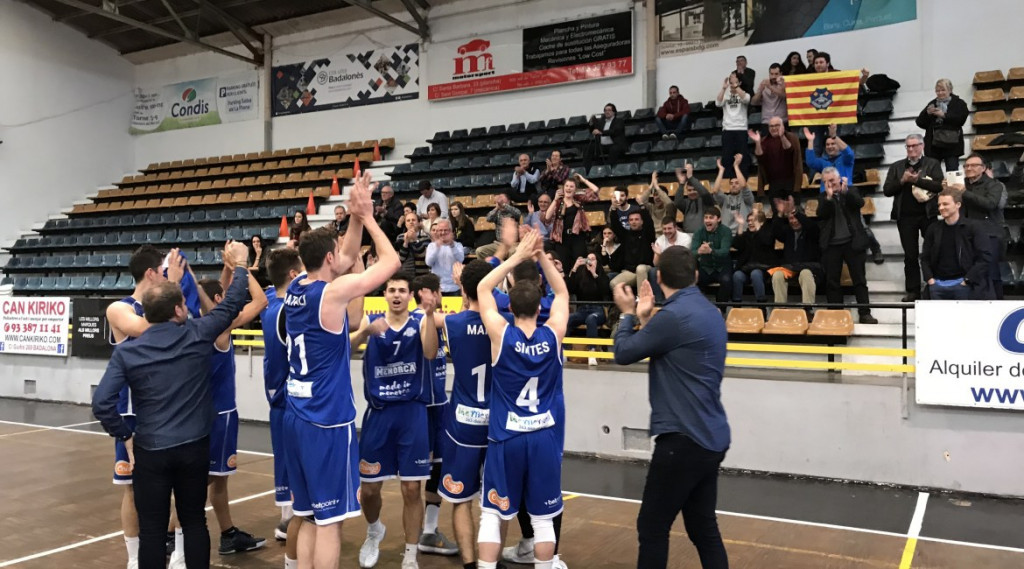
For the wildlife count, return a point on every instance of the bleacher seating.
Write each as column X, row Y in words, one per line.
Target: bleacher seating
column 196, row 204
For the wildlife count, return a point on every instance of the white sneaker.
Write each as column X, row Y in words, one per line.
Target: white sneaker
column 557, row 563
column 522, row 553
column 410, row 563
column 133, row 563
column 591, row 361
column 370, row 551
column 177, row 560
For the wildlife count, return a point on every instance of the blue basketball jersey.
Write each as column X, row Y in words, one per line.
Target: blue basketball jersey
column 393, row 364
column 275, row 350
column 527, row 383
column 124, row 397
column 501, row 299
column 319, row 382
column 471, row 393
column 435, row 372
column 222, row 378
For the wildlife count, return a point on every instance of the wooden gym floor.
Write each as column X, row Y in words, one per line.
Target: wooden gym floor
column 59, row 509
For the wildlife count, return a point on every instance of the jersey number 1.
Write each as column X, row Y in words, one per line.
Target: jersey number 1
column 300, row 343
column 528, row 396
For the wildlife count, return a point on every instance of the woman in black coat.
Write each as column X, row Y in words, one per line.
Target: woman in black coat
column 946, row 113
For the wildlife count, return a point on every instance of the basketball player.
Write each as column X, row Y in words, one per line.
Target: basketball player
column 127, row 322
column 525, row 446
column 283, row 266
column 319, row 424
column 394, row 442
column 433, row 540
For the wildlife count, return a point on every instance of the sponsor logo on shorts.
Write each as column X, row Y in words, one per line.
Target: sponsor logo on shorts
column 494, row 498
column 451, row 485
column 122, row 468
column 369, row 467
column 324, row 505
column 553, row 501
column 422, row 461
column 232, row 461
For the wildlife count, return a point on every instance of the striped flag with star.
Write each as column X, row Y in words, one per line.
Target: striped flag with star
column 822, row 98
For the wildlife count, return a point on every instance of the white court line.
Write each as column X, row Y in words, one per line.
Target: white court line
column 918, row 519
column 633, row 501
column 96, row 539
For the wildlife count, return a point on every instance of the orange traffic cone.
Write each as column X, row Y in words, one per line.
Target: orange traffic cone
column 376, row 151
column 284, row 226
column 310, row 206
column 334, row 187
column 356, row 169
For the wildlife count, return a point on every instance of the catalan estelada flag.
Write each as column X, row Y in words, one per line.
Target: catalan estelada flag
column 822, row 98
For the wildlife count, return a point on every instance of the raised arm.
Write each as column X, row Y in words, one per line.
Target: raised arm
column 494, row 322
column 558, row 315
column 717, row 188
column 352, row 242
column 258, row 301
column 124, row 323
column 219, row 319
column 428, row 326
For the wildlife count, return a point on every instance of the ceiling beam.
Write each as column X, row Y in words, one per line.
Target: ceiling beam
column 164, row 20
column 244, row 34
column 184, row 29
column 366, row 5
column 68, row 17
column 423, row 4
column 153, row 29
column 420, row 19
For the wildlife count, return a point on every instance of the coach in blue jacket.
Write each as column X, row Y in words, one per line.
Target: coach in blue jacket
column 168, row 371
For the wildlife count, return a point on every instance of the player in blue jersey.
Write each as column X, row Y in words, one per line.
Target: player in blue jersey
column 524, row 453
column 319, row 424
column 394, row 441
column 126, row 322
column 283, row 266
column 432, row 539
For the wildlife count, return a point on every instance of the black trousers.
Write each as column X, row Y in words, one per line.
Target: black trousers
column 683, row 477
column 735, row 142
column 595, row 152
column 910, row 228
column 182, row 469
column 571, row 248
column 832, row 259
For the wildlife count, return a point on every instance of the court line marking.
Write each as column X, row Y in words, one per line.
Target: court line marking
column 97, row 539
column 914, row 532
column 634, row 501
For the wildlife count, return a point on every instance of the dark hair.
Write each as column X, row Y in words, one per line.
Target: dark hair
column 526, row 271
column 957, row 196
column 759, row 215
column 425, row 185
column 280, row 262
column 211, row 287
column 979, row 157
column 159, row 302
column 825, row 55
column 789, row 69
column 775, row 66
column 472, row 274
column 144, row 258
column 668, row 219
column 713, row 210
column 400, row 275
column 814, row 51
column 743, row 57
column 524, row 298
column 315, row 245
column 408, row 205
column 252, row 250
column 428, row 280
column 612, row 105
column 434, row 206
column 635, row 212
column 673, row 87
column 677, row 267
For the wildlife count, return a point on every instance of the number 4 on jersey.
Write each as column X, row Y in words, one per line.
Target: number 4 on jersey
column 528, row 396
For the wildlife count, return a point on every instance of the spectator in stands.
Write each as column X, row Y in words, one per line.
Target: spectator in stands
column 635, row 243
column 674, row 115
column 914, row 184
column 429, row 195
column 956, row 254
column 535, row 216
column 780, row 165
column 502, row 210
column 983, row 201
column 341, row 219
column 388, row 211
column 656, row 201
column 258, row 261
column 621, row 207
column 441, row 255
column 755, row 254
column 710, row 245
column 609, row 141
column 570, row 228
column 462, row 226
column 734, row 102
column 524, row 180
column 843, row 240
column 412, row 246
column 1015, row 183
column 943, row 122
column 433, row 214
column 821, row 63
column 555, row 173
column 298, row 227
column 801, row 253
column 693, row 199
column 670, row 237
column 812, row 54
column 607, row 245
column 793, row 65
column 745, row 75
column 589, row 284
column 771, row 95
column 733, row 198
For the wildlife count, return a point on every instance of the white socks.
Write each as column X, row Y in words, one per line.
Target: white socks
column 544, row 564
column 290, row 563
column 132, row 543
column 486, row 564
column 179, row 541
column 375, row 529
column 410, row 552
column 430, row 518
column 286, row 513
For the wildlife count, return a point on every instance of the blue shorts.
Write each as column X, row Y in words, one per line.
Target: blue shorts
column 123, row 466
column 395, row 443
column 323, row 471
column 526, row 467
column 435, row 420
column 461, row 469
column 282, row 495
column 224, row 444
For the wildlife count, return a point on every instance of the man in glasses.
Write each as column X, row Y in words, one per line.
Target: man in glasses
column 442, row 254
column 983, row 201
column 914, row 184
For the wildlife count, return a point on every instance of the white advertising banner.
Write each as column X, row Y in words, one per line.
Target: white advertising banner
column 195, row 103
column 970, row 353
column 35, row 325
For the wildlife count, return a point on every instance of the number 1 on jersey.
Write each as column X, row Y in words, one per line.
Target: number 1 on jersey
column 480, row 372
column 300, row 343
column 528, row 396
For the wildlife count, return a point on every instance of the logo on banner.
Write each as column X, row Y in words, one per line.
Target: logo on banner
column 192, row 106
column 325, row 76
column 474, row 60
column 821, row 99
column 1008, row 332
